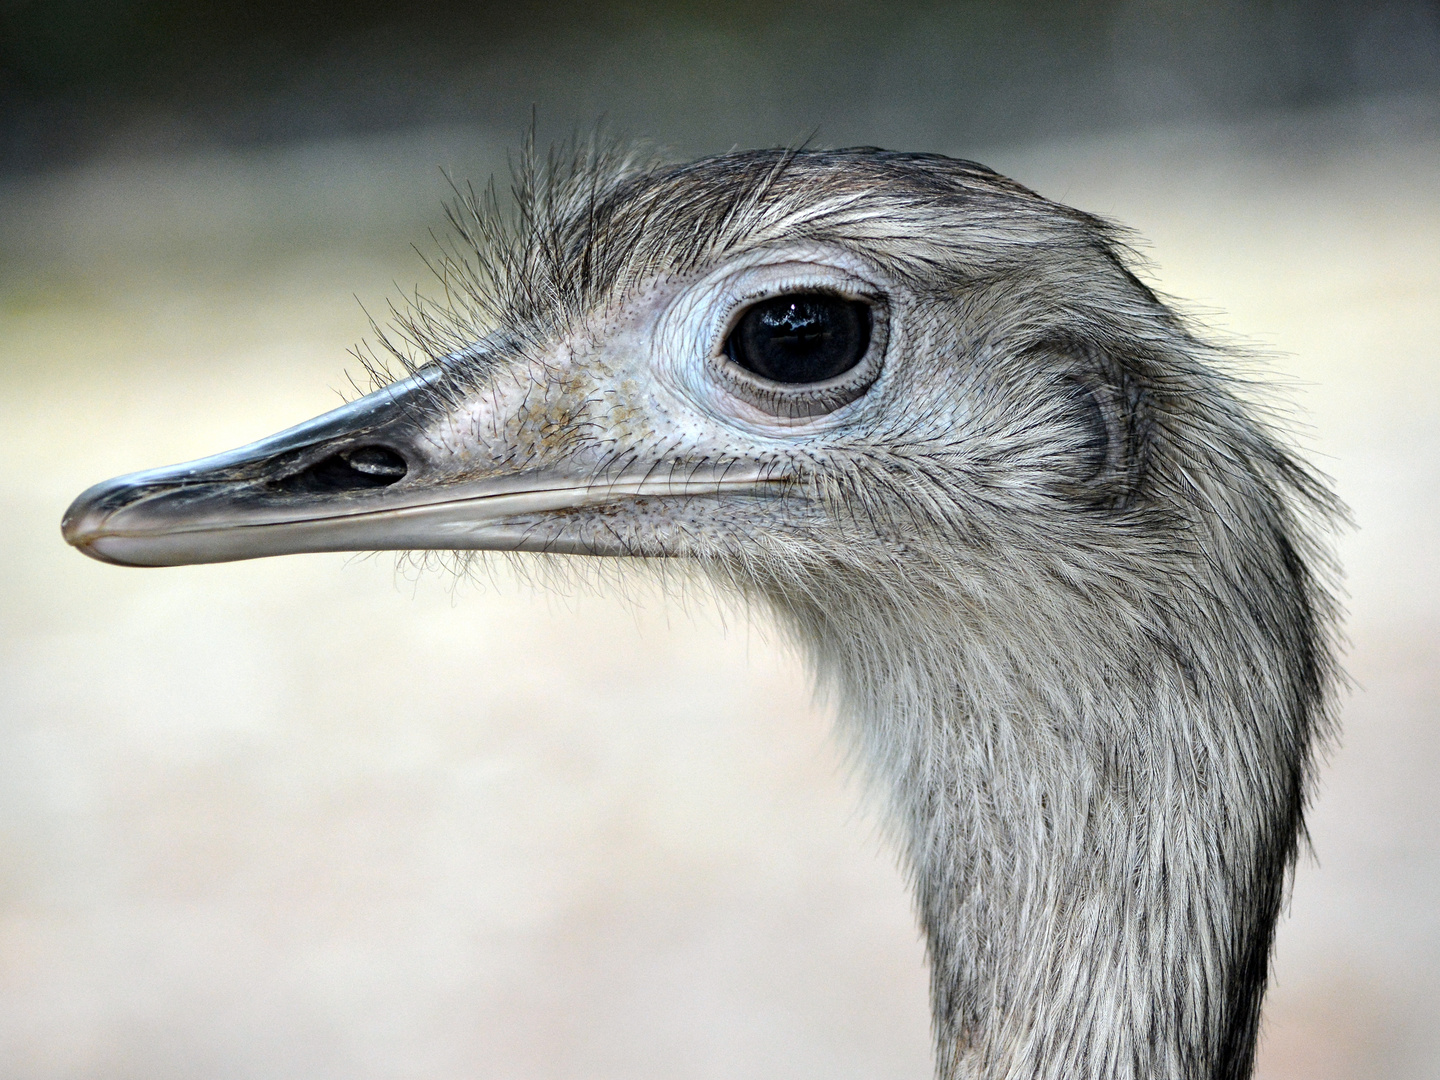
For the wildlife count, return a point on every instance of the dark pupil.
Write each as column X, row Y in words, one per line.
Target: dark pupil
column 801, row 338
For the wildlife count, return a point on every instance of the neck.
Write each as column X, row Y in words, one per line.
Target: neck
column 1098, row 837
column 1089, row 917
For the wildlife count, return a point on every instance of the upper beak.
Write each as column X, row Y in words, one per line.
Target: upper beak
column 355, row 479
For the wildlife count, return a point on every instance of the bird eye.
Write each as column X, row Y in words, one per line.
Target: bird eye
column 801, row 337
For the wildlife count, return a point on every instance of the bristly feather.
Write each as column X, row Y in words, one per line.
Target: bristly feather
column 594, row 219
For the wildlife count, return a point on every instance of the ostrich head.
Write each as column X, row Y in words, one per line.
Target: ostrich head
column 1065, row 583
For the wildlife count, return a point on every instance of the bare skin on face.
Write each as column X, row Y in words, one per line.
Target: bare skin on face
column 1072, row 593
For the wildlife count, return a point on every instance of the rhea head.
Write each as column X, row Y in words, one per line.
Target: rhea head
column 1064, row 581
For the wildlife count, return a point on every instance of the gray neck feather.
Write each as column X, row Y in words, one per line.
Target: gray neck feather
column 1097, row 815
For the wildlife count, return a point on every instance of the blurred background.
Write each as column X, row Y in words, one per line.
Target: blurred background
column 320, row 817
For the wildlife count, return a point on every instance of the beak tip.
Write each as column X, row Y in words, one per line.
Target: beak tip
column 79, row 525
column 83, row 525
column 89, row 546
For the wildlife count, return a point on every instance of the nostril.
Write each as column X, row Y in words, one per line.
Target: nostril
column 356, row 469
column 379, row 461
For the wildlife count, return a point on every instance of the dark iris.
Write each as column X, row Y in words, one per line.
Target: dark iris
column 801, row 338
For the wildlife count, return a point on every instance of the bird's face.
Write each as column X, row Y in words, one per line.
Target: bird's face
column 782, row 392
column 655, row 425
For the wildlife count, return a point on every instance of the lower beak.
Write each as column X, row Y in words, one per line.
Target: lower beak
column 354, row 479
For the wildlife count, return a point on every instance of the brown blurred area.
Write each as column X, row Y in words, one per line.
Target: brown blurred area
column 317, row 817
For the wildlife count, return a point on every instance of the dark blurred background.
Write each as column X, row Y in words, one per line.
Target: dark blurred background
column 79, row 77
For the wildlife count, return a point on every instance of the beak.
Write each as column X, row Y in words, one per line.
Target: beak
column 355, row 479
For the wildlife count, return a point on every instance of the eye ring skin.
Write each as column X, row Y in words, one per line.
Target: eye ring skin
column 793, row 401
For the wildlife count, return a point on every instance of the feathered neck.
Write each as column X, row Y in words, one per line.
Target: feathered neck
column 1097, row 816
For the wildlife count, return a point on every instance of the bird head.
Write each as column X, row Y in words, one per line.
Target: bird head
column 834, row 377
column 1016, row 512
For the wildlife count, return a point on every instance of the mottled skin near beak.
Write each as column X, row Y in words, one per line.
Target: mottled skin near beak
column 360, row 478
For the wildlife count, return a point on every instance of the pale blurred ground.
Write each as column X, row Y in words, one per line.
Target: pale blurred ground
column 307, row 818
